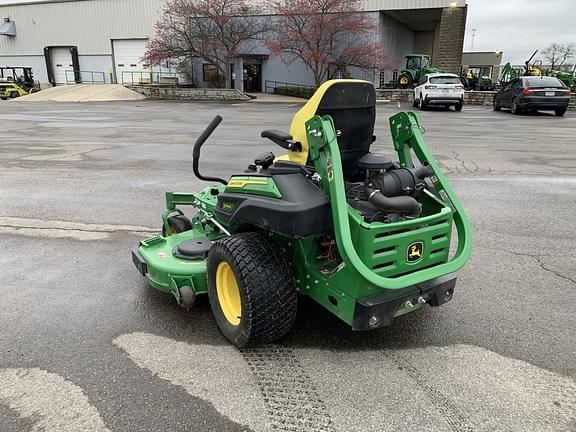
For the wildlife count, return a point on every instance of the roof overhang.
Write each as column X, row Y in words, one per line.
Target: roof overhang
column 417, row 19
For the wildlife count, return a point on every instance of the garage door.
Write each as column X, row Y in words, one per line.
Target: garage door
column 127, row 55
column 61, row 62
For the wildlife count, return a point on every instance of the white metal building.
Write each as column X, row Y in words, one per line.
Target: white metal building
column 72, row 40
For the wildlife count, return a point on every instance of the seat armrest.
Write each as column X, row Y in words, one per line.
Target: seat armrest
column 283, row 139
column 276, row 135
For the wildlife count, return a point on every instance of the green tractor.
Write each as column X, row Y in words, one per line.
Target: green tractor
column 417, row 65
column 366, row 237
column 566, row 77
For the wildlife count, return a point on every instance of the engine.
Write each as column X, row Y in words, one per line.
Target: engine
column 388, row 193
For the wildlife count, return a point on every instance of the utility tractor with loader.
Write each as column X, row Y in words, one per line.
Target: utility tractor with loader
column 417, row 65
column 366, row 236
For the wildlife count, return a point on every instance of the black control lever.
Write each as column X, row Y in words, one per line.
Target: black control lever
column 198, row 145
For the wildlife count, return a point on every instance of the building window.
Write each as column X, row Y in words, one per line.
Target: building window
column 210, row 72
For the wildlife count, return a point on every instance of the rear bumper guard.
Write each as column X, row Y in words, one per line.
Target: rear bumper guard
column 379, row 310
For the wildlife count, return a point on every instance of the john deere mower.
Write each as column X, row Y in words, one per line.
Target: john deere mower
column 366, row 236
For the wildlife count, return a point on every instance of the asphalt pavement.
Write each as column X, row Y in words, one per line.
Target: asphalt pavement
column 86, row 345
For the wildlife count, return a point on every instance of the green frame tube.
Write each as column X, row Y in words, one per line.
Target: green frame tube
column 407, row 137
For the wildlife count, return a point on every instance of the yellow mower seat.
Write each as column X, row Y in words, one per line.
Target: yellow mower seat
column 352, row 106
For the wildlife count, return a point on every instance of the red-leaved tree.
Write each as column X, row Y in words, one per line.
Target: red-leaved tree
column 214, row 31
column 327, row 35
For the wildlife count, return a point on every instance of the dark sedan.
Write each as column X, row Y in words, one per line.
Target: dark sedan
column 532, row 94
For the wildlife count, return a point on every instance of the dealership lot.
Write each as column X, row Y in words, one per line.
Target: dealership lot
column 86, row 345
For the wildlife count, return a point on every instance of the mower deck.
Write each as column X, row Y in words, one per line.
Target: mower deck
column 156, row 259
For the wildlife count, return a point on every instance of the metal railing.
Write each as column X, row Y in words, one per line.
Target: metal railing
column 148, row 78
column 271, row 86
column 86, row 77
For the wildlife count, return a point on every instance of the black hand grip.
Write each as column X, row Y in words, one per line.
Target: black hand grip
column 205, row 135
column 198, row 145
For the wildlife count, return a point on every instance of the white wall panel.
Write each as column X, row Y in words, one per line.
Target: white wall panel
column 37, row 63
column 101, row 65
column 89, row 25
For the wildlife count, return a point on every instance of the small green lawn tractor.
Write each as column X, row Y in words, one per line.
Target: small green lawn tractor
column 417, row 65
column 365, row 236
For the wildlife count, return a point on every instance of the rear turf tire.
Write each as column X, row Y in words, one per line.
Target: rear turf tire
column 251, row 277
column 177, row 224
column 560, row 112
column 404, row 81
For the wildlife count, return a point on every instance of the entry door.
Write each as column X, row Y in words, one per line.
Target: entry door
column 62, row 62
column 127, row 58
column 252, row 77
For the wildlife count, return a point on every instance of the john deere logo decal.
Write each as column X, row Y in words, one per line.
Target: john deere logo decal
column 415, row 252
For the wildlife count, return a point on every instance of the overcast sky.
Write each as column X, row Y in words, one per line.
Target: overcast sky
column 517, row 27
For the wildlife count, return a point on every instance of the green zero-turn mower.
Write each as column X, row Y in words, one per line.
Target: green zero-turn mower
column 365, row 236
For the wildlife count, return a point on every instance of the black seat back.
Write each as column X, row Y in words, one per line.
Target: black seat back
column 352, row 106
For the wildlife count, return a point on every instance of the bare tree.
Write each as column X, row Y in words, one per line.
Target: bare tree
column 559, row 54
column 326, row 35
column 214, row 31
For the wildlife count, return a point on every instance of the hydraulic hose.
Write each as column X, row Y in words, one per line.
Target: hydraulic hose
column 397, row 204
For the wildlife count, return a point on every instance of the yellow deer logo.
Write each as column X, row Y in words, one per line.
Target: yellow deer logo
column 415, row 251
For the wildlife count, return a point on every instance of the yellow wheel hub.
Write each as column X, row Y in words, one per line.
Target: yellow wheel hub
column 228, row 293
column 403, row 80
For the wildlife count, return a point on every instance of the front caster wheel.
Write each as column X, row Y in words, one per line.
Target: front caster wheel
column 251, row 289
column 176, row 225
column 187, row 297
